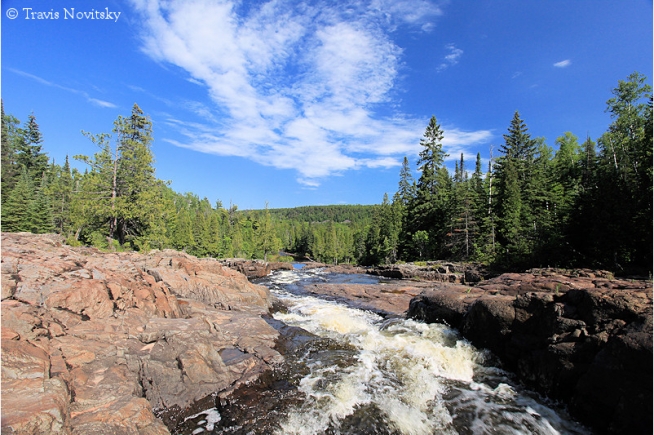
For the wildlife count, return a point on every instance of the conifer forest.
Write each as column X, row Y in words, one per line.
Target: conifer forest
column 583, row 202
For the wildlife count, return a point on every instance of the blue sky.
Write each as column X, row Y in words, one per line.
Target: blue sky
column 310, row 103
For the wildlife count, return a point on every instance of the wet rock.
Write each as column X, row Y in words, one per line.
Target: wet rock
column 582, row 337
column 93, row 342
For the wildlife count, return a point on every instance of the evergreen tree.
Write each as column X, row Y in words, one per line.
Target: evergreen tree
column 484, row 245
column 383, row 233
column 404, row 196
column 30, row 154
column 11, row 135
column 268, row 242
column 60, row 192
column 616, row 205
column 566, row 173
column 39, row 211
column 135, row 179
column 463, row 221
column 16, row 209
column 428, row 210
column 119, row 196
column 515, row 194
column 407, row 186
column 588, row 165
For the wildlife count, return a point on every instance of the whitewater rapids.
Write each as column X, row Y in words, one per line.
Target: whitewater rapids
column 401, row 376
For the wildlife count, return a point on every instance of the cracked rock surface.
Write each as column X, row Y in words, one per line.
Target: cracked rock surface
column 96, row 343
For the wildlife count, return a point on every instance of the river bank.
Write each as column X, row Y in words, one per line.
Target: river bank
column 581, row 337
column 96, row 343
column 130, row 343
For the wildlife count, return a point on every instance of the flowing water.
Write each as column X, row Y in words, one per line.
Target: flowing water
column 359, row 373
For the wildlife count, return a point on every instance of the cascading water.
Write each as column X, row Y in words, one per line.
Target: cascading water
column 395, row 376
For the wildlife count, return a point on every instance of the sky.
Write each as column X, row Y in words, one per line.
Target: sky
column 293, row 103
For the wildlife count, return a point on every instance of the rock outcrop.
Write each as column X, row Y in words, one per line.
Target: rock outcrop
column 254, row 268
column 431, row 271
column 96, row 343
column 581, row 337
column 389, row 299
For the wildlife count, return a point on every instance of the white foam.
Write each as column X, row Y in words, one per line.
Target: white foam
column 404, row 368
column 398, row 369
column 212, row 417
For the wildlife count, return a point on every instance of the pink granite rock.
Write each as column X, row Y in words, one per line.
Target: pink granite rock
column 96, row 343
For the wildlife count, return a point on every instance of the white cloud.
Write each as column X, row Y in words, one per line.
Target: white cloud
column 296, row 86
column 452, row 58
column 563, row 63
column 45, row 82
column 101, row 103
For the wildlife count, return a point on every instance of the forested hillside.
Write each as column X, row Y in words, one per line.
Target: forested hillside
column 585, row 203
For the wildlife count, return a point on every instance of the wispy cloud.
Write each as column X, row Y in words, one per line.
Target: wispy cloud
column 452, row 58
column 101, row 103
column 296, row 87
column 563, row 63
column 45, row 82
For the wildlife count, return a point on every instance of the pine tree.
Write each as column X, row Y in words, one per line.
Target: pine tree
column 588, row 165
column 463, row 221
column 39, row 212
column 431, row 159
column 60, row 192
column 134, row 176
column 16, row 209
column 407, row 186
column 267, row 242
column 428, row 210
column 119, row 196
column 11, row 134
column 615, row 209
column 30, row 154
column 515, row 195
column 93, row 203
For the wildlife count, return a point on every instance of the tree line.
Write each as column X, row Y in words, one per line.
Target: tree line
column 585, row 204
column 117, row 202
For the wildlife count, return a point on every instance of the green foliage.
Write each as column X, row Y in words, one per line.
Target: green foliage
column 428, row 211
column 9, row 165
column 39, row 212
column 577, row 206
column 29, row 150
column 119, row 196
column 612, row 224
column 584, row 204
column 16, row 208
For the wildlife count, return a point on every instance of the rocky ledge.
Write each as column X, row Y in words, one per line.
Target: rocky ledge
column 580, row 337
column 96, row 343
column 254, row 268
column 454, row 273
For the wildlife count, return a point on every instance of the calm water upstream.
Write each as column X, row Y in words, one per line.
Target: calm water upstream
column 364, row 374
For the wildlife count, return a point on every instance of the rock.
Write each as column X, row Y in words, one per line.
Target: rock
column 432, row 271
column 254, row 268
column 96, row 343
column 387, row 299
column 40, row 404
column 581, row 337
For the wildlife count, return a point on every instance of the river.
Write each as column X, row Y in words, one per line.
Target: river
column 357, row 372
